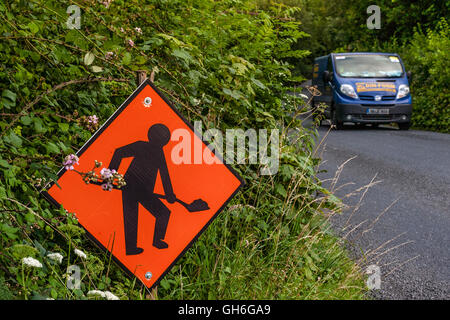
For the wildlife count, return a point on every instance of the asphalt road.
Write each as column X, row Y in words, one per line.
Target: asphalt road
column 407, row 211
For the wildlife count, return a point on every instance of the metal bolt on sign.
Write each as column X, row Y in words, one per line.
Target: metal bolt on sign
column 147, row 102
column 148, row 275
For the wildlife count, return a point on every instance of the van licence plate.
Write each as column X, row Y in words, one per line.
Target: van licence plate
column 377, row 111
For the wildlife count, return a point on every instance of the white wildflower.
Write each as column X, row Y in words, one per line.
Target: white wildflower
column 80, row 253
column 31, row 262
column 57, row 257
column 108, row 295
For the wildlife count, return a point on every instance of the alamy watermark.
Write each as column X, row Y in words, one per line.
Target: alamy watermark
column 373, row 282
column 73, row 277
column 74, row 20
column 374, row 20
column 242, row 147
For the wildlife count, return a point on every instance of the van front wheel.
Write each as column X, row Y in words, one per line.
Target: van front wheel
column 339, row 125
column 404, row 125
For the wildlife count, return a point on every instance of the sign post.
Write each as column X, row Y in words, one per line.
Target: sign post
column 165, row 205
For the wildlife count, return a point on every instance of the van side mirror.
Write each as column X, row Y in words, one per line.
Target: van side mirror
column 409, row 74
column 327, row 76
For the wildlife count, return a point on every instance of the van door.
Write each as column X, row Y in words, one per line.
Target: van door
column 328, row 89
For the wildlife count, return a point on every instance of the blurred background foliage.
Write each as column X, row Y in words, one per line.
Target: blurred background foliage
column 417, row 30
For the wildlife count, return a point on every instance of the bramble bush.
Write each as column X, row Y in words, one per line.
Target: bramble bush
column 220, row 62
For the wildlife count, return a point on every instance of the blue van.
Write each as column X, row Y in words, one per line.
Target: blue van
column 363, row 87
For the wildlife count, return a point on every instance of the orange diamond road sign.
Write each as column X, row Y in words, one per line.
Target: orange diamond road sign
column 165, row 205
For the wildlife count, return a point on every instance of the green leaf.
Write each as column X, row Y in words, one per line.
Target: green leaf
column 281, row 190
column 258, row 83
column 2, row 193
column 165, row 284
column 233, row 93
column 38, row 125
column 97, row 69
column 64, row 127
column 126, row 58
column 11, row 96
column 4, row 163
column 308, row 273
column 89, row 58
column 8, row 98
column 182, row 54
column 52, row 148
column 54, row 294
column 9, row 231
column 13, row 139
column 26, row 120
column 34, row 28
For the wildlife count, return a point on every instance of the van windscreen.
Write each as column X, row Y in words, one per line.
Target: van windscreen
column 368, row 66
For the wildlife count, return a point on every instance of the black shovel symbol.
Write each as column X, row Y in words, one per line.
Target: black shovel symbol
column 148, row 161
column 195, row 206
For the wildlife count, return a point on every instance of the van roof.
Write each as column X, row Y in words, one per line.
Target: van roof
column 364, row 53
column 356, row 53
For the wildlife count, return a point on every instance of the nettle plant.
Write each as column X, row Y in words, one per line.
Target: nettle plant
column 219, row 62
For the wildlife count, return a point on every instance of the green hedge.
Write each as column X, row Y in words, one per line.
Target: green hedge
column 427, row 56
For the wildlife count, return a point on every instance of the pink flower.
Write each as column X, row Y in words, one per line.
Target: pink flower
column 138, row 30
column 121, row 30
column 93, row 119
column 109, row 55
column 107, row 186
column 69, row 161
column 106, row 173
column 130, row 43
column 106, row 3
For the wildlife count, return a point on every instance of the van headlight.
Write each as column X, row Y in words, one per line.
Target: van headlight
column 403, row 91
column 349, row 91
